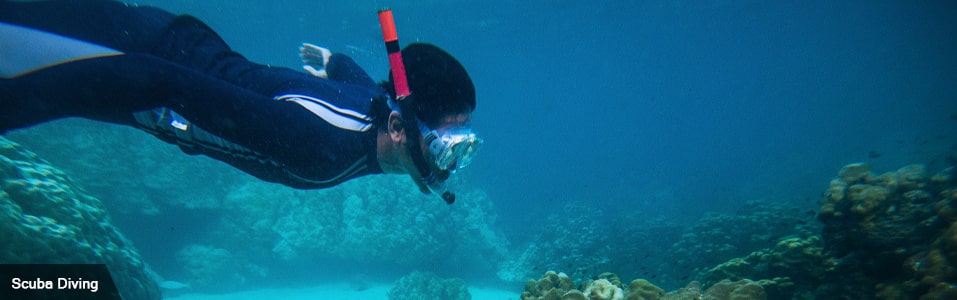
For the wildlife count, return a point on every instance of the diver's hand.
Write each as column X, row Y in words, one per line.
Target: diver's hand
column 315, row 59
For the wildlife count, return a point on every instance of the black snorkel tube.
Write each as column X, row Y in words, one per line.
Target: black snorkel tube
column 435, row 182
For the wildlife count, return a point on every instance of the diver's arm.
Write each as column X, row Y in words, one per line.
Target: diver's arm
column 322, row 63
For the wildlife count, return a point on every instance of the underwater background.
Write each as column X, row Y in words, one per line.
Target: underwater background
column 651, row 139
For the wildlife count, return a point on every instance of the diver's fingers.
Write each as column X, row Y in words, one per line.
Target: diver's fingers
column 311, row 46
column 321, row 73
column 314, row 55
column 315, row 59
column 311, row 59
column 306, row 53
column 311, row 50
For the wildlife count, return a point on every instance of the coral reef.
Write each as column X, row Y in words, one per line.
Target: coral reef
column 426, row 285
column 44, row 218
column 888, row 236
column 692, row 291
column 602, row 289
column 156, row 175
column 572, row 237
column 891, row 235
column 553, row 283
column 558, row 286
column 393, row 224
column 758, row 225
column 584, row 240
column 741, row 289
column 555, row 286
column 794, row 265
column 640, row 289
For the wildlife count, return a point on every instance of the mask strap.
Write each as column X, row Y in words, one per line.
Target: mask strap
column 412, row 131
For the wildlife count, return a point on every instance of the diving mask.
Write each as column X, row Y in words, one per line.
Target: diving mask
column 452, row 149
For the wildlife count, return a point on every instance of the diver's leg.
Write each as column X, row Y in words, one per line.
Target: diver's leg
column 113, row 24
column 113, row 88
column 106, row 89
column 46, row 66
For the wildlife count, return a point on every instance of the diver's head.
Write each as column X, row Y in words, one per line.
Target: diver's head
column 438, row 81
column 437, row 115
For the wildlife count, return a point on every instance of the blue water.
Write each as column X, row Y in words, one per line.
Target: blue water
column 613, row 102
column 662, row 109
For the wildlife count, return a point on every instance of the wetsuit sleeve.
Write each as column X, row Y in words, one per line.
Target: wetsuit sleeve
column 342, row 68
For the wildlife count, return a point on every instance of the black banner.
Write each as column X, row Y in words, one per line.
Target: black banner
column 47, row 281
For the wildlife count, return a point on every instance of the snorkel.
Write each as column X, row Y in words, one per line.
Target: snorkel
column 435, row 180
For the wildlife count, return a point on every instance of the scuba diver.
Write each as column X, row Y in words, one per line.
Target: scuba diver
column 175, row 78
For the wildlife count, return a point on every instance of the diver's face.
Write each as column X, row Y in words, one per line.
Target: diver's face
column 447, row 123
column 450, row 122
column 453, row 121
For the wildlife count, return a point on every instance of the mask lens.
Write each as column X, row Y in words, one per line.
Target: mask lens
column 452, row 149
column 456, row 151
column 465, row 150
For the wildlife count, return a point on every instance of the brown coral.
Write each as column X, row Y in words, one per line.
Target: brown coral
column 574, row 295
column 736, row 268
column 739, row 290
column 640, row 289
column 602, row 289
column 854, row 172
column 890, row 234
column 611, row 277
column 866, row 198
column 798, row 256
column 911, row 177
column 552, row 286
column 692, row 291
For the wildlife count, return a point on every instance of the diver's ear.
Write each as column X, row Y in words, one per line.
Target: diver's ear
column 395, row 127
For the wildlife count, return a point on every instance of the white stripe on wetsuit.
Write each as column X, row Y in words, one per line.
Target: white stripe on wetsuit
column 24, row 50
column 339, row 117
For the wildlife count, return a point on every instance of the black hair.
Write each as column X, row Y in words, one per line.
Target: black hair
column 438, row 83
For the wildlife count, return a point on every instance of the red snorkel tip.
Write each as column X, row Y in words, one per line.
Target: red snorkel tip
column 395, row 55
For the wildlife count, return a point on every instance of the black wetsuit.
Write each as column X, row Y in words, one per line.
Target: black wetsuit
column 173, row 77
